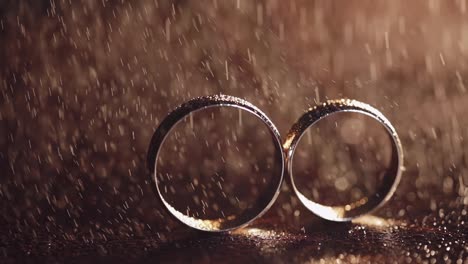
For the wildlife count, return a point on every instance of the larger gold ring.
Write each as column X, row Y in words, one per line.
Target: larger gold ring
column 261, row 204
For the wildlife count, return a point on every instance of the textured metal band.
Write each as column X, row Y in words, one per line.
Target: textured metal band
column 262, row 204
column 391, row 177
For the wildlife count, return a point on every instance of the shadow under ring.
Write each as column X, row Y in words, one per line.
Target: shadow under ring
column 264, row 201
column 391, row 177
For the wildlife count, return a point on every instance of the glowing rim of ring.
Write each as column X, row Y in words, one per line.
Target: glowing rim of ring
column 391, row 178
column 198, row 104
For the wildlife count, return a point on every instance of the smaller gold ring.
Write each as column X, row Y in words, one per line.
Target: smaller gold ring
column 390, row 179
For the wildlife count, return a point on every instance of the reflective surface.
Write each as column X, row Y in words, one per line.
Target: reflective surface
column 83, row 85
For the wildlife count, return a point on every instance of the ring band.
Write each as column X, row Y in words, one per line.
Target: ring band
column 391, row 177
column 261, row 205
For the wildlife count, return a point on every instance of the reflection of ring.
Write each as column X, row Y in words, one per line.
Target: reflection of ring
column 391, row 177
column 261, row 205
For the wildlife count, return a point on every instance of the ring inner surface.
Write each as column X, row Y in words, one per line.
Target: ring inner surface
column 344, row 165
column 219, row 168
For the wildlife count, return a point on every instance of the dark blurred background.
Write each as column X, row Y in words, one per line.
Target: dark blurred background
column 85, row 83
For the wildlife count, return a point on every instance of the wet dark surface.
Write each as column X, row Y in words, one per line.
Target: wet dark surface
column 369, row 240
column 85, row 83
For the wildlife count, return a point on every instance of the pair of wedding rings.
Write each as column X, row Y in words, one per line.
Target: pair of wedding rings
column 284, row 156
